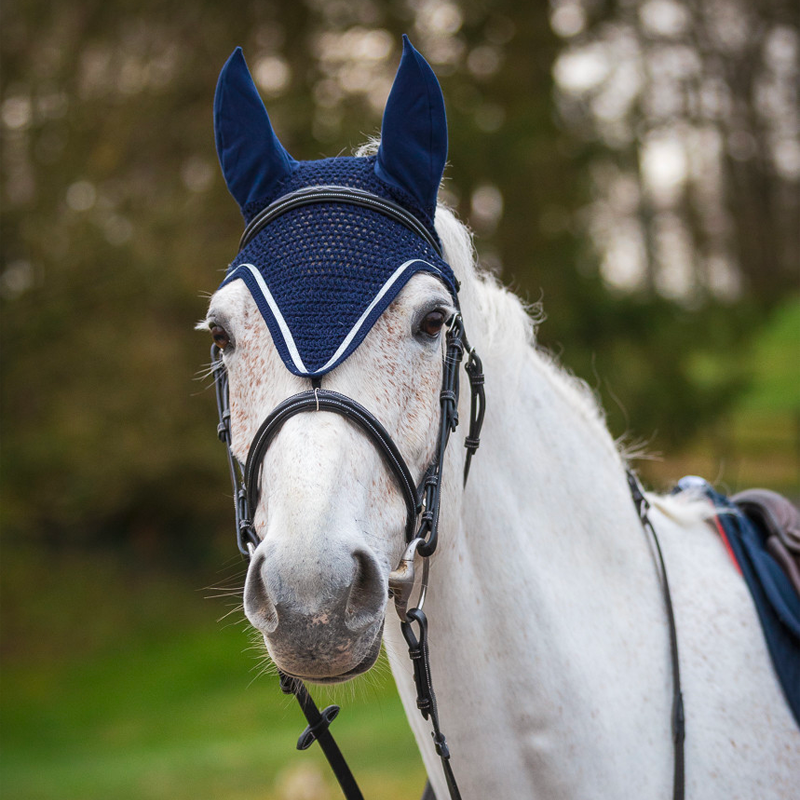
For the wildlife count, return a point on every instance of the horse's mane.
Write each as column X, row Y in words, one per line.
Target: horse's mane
column 509, row 326
column 509, row 337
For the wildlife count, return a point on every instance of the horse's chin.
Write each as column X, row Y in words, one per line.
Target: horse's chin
column 316, row 671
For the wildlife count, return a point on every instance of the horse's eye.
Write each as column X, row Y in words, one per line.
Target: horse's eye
column 220, row 336
column 433, row 322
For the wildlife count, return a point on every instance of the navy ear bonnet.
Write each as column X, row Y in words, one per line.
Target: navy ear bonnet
column 323, row 264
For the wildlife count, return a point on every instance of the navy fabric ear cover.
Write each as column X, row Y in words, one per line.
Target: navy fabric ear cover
column 251, row 156
column 321, row 275
column 413, row 147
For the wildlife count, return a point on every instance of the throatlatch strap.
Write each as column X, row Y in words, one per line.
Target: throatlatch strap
column 477, row 408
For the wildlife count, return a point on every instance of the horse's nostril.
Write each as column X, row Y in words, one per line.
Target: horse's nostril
column 258, row 605
column 367, row 593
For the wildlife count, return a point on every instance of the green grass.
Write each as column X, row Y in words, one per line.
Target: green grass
column 159, row 700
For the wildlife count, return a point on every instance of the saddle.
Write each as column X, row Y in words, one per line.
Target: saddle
column 761, row 530
column 780, row 521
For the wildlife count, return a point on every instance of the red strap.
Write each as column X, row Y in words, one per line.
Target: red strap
column 724, row 536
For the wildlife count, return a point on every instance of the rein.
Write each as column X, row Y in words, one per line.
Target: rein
column 678, row 716
column 422, row 502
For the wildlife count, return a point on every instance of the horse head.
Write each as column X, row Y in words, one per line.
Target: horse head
column 332, row 292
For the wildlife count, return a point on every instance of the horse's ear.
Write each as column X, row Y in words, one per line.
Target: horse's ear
column 413, row 147
column 250, row 154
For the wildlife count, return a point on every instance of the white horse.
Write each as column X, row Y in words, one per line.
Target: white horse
column 548, row 634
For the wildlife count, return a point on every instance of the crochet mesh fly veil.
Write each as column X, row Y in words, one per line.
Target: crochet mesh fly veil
column 321, row 274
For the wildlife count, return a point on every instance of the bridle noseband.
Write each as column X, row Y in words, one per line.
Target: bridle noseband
column 324, row 400
column 421, row 502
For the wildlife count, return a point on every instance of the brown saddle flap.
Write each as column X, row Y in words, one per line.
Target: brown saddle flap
column 781, row 520
column 777, row 514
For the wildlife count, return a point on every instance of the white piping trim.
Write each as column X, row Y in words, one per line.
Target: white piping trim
column 276, row 312
column 286, row 333
column 357, row 327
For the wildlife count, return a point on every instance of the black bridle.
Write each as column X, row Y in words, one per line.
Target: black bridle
column 422, row 502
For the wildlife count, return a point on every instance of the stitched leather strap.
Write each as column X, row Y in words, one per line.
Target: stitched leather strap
column 426, row 699
column 326, row 400
column 678, row 717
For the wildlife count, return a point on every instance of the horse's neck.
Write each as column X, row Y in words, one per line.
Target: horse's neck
column 549, row 470
column 549, row 530
column 540, row 593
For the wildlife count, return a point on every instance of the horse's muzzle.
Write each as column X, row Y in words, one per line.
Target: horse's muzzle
column 319, row 624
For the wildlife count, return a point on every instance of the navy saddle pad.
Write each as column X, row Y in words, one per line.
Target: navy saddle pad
column 776, row 601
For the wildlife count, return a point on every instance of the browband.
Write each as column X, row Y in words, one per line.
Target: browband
column 337, row 194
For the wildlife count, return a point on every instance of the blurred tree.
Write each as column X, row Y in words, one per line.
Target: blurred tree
column 688, row 111
column 115, row 216
column 694, row 106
